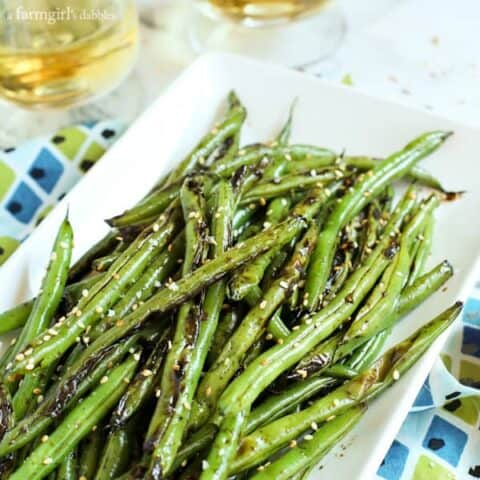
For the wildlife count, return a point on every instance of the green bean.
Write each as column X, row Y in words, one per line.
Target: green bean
column 102, row 264
column 251, row 274
column 224, row 446
column 116, row 454
column 29, row 391
column 76, row 425
column 226, row 326
column 150, row 207
column 83, row 265
column 247, row 157
column 51, row 290
column 258, row 446
column 424, row 247
column 342, row 372
column 151, row 279
column 285, row 186
column 62, row 395
column 220, row 137
column 312, row 449
column 416, row 173
column 170, row 442
column 101, row 298
column 283, row 138
column 353, row 202
column 424, row 286
column 15, row 317
column 68, row 468
column 90, row 449
column 142, row 388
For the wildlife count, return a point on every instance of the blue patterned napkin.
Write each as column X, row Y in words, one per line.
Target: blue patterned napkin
column 440, row 438
column 37, row 174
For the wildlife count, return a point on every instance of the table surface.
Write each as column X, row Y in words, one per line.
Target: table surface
column 419, row 52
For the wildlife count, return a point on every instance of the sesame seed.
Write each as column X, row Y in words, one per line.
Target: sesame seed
column 308, row 437
column 44, row 438
column 136, row 356
column 264, row 362
column 84, row 292
column 208, row 391
column 262, row 201
column 263, row 304
column 30, row 366
column 280, row 341
column 155, row 227
column 314, row 426
column 20, row 357
column 48, row 461
column 303, row 373
column 104, row 379
column 284, row 284
column 36, row 391
column 99, row 309
column 204, row 465
column 336, row 402
column 158, row 392
column 13, row 341
column 330, row 418
column 53, row 256
column 78, row 313
column 293, row 444
column 40, row 399
column 147, row 372
column 268, row 336
column 396, row 375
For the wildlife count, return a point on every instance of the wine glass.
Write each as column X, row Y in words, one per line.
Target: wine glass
column 59, row 53
column 292, row 32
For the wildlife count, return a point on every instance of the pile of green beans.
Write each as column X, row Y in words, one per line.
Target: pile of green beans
column 231, row 324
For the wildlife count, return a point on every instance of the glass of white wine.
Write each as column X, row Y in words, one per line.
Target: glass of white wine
column 60, row 53
column 292, row 32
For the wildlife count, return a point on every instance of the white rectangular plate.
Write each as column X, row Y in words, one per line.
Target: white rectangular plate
column 326, row 115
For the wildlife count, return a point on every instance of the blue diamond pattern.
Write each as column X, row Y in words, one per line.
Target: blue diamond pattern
column 424, row 397
column 471, row 312
column 445, row 440
column 471, row 341
column 394, row 462
column 23, row 204
column 46, row 170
